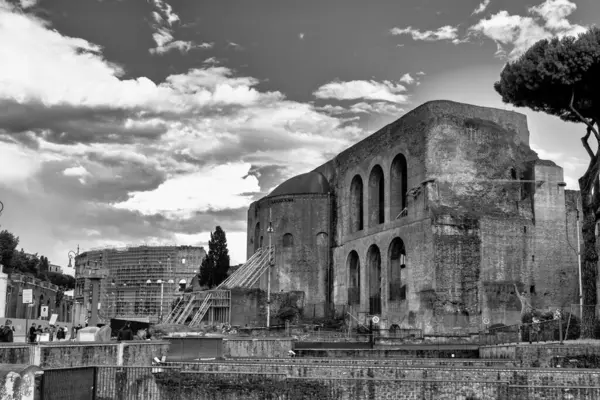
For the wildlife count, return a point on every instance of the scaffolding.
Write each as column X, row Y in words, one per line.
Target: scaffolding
column 213, row 307
column 142, row 281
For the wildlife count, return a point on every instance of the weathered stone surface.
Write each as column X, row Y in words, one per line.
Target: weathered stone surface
column 483, row 214
column 17, row 381
column 262, row 347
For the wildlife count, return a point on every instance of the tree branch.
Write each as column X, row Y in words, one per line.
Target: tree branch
column 587, row 147
column 585, row 121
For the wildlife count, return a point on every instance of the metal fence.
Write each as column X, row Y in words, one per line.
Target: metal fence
column 544, row 331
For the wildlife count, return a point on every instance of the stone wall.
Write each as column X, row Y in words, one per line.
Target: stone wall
column 512, row 375
column 15, row 354
column 249, row 307
column 228, row 386
column 432, row 352
column 263, row 347
column 67, row 354
column 302, row 241
column 17, row 382
column 538, row 355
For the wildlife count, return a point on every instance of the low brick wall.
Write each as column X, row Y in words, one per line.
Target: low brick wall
column 76, row 354
column 15, row 354
column 257, row 347
column 538, row 355
column 514, row 376
column 432, row 352
column 141, row 353
column 80, row 354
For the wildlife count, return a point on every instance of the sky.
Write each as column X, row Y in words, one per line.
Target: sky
column 127, row 122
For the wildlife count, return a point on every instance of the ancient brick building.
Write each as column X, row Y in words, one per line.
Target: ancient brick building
column 428, row 223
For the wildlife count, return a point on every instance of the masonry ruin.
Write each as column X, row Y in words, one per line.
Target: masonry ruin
column 429, row 223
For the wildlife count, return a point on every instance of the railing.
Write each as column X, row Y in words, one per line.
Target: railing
column 543, row 331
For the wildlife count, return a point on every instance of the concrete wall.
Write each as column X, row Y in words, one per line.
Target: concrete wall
column 276, row 348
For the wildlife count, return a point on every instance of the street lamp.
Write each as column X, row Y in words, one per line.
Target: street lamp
column 269, row 231
column 162, row 293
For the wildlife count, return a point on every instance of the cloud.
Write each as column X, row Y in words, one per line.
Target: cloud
column 514, row 34
column 406, row 78
column 359, row 89
column 444, row 33
column 164, row 18
column 159, row 159
column 301, row 36
column 380, row 107
column 420, row 73
column 28, row 3
column 482, row 7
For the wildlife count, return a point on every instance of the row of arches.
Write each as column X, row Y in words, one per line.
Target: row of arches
column 398, row 178
column 396, row 275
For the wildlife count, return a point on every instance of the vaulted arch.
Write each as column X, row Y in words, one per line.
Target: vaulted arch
column 353, row 265
column 288, row 240
column 376, row 196
column 396, row 270
column 398, row 186
column 356, row 204
column 374, row 274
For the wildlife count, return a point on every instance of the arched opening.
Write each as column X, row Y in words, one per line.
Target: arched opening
column 354, row 278
column 356, row 204
column 398, row 186
column 396, row 270
column 257, row 236
column 288, row 240
column 374, row 271
column 322, row 240
column 376, row 197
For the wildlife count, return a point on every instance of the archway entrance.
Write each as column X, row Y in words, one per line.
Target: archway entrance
column 397, row 257
column 374, row 270
column 353, row 264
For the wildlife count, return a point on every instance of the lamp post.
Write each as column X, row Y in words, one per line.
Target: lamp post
column 162, row 293
column 269, row 231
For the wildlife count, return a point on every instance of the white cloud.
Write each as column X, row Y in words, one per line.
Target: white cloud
column 380, row 107
column 514, row 34
column 406, row 78
column 482, row 7
column 28, row 3
column 420, row 73
column 443, row 33
column 301, row 36
column 369, row 90
column 78, row 172
column 217, row 125
column 164, row 18
column 17, row 164
column 217, row 188
column 211, row 61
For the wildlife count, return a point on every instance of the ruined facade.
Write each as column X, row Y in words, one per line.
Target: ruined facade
column 429, row 223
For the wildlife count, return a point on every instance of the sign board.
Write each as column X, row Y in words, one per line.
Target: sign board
column 27, row 296
column 375, row 319
column 53, row 319
column 44, row 311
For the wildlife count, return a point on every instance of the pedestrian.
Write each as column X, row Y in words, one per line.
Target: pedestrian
column 126, row 333
column 60, row 334
column 32, row 334
column 6, row 333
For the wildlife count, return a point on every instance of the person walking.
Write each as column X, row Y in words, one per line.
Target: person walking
column 32, row 334
column 6, row 333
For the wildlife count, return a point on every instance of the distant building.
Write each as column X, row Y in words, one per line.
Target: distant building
column 55, row 268
column 132, row 288
column 43, row 294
